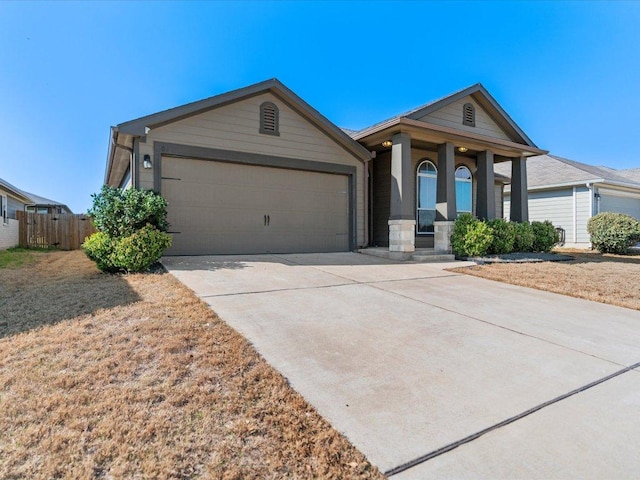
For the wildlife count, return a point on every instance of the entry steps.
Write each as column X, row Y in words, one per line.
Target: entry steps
column 421, row 255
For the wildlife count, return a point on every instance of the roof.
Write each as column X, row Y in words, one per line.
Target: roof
column 546, row 171
column 140, row 126
column 478, row 92
column 30, row 198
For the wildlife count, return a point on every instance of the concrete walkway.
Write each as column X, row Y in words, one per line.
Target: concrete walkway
column 433, row 374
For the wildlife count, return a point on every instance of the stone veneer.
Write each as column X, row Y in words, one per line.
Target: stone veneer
column 442, row 237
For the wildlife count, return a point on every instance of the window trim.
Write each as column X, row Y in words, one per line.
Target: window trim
column 470, row 181
column 427, row 175
column 3, row 209
column 469, row 107
column 276, row 120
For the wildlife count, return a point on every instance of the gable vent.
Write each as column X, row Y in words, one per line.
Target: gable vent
column 269, row 121
column 469, row 115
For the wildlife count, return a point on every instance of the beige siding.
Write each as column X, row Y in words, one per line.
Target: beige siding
column 235, row 127
column 451, row 116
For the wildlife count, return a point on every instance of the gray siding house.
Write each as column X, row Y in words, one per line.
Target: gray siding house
column 569, row 193
column 12, row 199
column 258, row 170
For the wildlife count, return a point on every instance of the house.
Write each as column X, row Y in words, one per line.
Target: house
column 569, row 193
column 12, row 199
column 259, row 170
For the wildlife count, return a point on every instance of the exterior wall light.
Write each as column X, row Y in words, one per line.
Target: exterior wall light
column 462, row 149
column 387, row 143
column 146, row 163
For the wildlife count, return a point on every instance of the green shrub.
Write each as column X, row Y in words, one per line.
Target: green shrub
column 471, row 237
column 99, row 247
column 613, row 232
column 119, row 213
column 524, row 237
column 131, row 230
column 141, row 249
column 503, row 234
column 544, row 236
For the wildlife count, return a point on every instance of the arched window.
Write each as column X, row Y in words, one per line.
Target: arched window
column 469, row 115
column 427, row 180
column 463, row 189
column 269, row 121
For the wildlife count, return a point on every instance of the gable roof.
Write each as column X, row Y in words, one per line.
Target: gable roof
column 546, row 171
column 14, row 191
column 632, row 174
column 479, row 93
column 140, row 126
column 29, row 198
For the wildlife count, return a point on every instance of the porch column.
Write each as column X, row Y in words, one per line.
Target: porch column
column 445, row 198
column 486, row 201
column 519, row 195
column 402, row 222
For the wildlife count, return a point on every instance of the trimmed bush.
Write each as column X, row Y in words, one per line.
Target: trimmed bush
column 524, row 237
column 99, row 247
column 503, row 236
column 613, row 232
column 141, row 249
column 120, row 213
column 471, row 237
column 544, row 236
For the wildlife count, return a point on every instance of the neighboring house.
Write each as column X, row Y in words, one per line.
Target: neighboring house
column 259, row 170
column 569, row 193
column 13, row 199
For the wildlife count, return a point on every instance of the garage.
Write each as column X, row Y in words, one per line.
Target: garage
column 219, row 207
column 619, row 202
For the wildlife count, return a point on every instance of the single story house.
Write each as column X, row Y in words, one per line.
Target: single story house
column 259, row 170
column 569, row 193
column 13, row 199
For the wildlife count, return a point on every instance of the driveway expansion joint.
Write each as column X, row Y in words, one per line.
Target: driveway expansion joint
column 504, row 423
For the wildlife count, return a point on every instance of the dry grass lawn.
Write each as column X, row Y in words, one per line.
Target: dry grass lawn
column 111, row 376
column 612, row 279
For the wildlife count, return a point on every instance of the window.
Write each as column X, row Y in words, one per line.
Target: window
column 469, row 115
column 427, row 180
column 463, row 189
column 269, row 119
column 3, row 209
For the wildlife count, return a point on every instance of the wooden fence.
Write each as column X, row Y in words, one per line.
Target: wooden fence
column 53, row 230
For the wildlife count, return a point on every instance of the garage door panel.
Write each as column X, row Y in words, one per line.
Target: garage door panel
column 220, row 208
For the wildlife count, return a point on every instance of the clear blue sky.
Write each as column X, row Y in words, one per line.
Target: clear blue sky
column 567, row 72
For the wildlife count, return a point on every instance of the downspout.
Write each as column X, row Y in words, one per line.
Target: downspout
column 575, row 216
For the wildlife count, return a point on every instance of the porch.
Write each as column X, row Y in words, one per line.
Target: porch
column 423, row 175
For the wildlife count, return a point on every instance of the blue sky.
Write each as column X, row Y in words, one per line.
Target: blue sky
column 567, row 72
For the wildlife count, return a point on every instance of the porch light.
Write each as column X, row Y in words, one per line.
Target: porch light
column 462, row 149
column 387, row 143
column 146, row 163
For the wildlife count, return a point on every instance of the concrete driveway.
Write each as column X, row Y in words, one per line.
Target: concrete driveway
column 433, row 374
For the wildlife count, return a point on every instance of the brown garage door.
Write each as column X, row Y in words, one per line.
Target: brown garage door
column 228, row 208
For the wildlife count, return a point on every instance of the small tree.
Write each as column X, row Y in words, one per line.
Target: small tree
column 131, row 230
